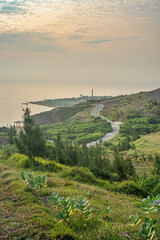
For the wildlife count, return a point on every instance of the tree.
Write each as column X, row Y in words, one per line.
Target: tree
column 30, row 140
column 157, row 164
column 11, row 134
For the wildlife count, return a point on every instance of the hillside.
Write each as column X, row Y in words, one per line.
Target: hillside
column 29, row 214
column 58, row 114
column 145, row 103
column 64, row 190
column 115, row 108
column 147, row 145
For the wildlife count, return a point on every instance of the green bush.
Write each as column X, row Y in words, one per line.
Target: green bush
column 21, row 160
column 130, row 187
column 38, row 163
column 150, row 183
column 134, row 127
column 47, row 165
column 77, row 131
column 8, row 150
column 61, row 231
column 79, row 174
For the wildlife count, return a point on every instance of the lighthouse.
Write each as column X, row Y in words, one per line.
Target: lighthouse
column 92, row 92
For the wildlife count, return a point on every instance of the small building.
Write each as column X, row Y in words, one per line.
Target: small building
column 18, row 126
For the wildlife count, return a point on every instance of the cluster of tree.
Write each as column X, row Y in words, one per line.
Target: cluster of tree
column 92, row 158
column 153, row 107
column 78, row 131
column 30, row 141
column 134, row 127
column 124, row 144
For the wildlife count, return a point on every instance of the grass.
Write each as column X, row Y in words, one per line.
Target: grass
column 26, row 215
column 142, row 156
column 118, row 108
column 148, row 144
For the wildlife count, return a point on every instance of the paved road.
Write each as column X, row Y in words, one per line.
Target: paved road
column 115, row 125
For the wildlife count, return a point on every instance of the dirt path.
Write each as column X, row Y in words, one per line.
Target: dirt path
column 115, row 125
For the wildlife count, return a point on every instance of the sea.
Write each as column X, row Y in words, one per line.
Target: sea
column 13, row 95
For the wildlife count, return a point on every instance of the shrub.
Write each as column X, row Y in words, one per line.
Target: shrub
column 35, row 183
column 130, row 187
column 47, row 165
column 149, row 183
column 79, row 174
column 40, row 164
column 8, row 150
column 61, row 231
column 67, row 207
column 149, row 227
column 21, row 160
column 157, row 164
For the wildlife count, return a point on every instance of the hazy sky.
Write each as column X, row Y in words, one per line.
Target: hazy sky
column 80, row 41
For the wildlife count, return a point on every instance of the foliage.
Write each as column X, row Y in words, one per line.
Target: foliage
column 34, row 216
column 79, row 174
column 94, row 159
column 21, row 160
column 135, row 127
column 123, row 167
column 157, row 164
column 150, row 184
column 149, row 227
column 8, row 150
column 68, row 207
column 131, row 187
column 30, row 141
column 37, row 182
column 46, row 165
column 124, row 144
column 11, row 134
column 40, row 164
column 153, row 106
column 77, row 131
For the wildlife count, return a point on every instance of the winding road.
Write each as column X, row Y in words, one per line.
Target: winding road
column 115, row 125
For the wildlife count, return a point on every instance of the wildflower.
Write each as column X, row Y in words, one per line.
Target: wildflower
column 82, row 202
column 79, row 211
column 156, row 202
column 72, row 213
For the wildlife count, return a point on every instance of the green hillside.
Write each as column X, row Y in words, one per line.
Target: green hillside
column 139, row 104
column 149, row 144
column 68, row 191
column 29, row 214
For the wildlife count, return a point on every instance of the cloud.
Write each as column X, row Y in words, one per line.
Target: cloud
column 96, row 42
column 75, row 37
column 11, row 8
column 100, row 41
column 28, row 42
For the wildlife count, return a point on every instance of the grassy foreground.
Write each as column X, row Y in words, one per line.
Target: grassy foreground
column 27, row 214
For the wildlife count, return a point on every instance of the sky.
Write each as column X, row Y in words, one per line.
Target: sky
column 80, row 42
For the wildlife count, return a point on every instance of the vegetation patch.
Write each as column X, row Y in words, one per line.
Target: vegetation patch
column 77, row 131
column 79, row 174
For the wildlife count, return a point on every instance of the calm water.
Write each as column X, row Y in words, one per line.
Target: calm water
column 12, row 95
